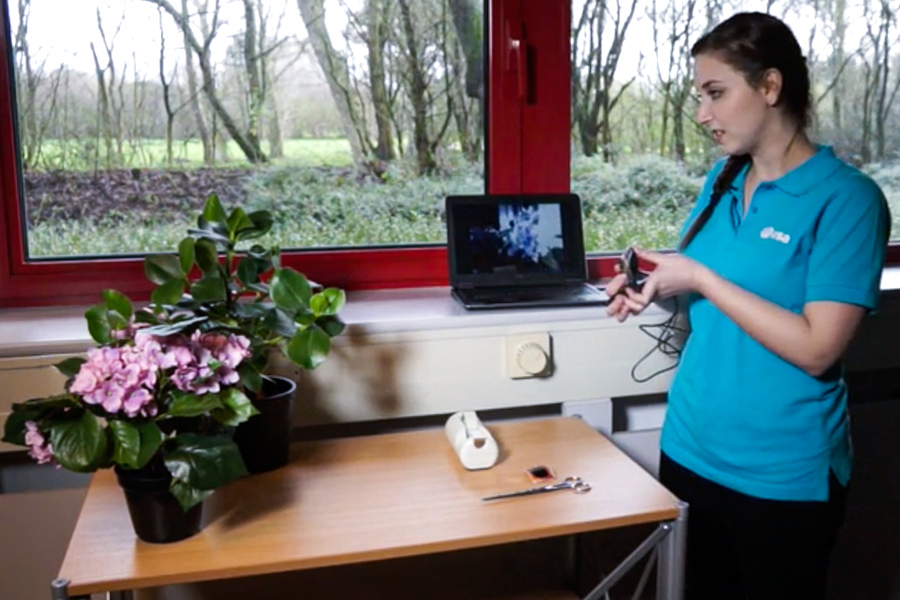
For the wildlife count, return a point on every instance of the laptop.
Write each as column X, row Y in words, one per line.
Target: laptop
column 518, row 251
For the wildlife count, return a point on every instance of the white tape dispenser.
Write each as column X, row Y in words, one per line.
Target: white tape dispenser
column 471, row 440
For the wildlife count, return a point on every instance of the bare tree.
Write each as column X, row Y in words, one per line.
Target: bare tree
column 246, row 141
column 468, row 20
column 29, row 79
column 337, row 75
column 200, row 120
column 594, row 70
column 109, row 95
column 378, row 15
column 166, row 84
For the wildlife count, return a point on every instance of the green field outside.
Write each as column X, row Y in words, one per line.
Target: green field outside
column 151, row 153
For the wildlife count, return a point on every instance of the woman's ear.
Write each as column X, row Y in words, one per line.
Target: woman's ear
column 771, row 86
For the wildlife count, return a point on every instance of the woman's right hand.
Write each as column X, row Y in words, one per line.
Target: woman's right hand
column 623, row 301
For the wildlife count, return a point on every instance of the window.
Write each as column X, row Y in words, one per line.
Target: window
column 350, row 120
column 638, row 155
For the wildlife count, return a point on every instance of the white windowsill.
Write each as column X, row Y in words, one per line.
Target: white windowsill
column 60, row 330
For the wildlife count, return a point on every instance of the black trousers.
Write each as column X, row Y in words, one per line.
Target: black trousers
column 744, row 548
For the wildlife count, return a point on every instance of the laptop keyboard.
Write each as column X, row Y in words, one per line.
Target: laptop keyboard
column 530, row 294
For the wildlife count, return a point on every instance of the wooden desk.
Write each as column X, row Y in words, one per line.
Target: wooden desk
column 363, row 499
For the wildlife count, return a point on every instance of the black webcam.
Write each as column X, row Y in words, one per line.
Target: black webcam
column 628, row 264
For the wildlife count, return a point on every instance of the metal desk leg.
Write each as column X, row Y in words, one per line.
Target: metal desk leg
column 658, row 536
column 59, row 590
column 670, row 567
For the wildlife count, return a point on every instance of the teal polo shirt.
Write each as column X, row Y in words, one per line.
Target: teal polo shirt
column 738, row 414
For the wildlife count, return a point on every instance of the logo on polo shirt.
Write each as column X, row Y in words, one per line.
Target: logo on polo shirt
column 769, row 233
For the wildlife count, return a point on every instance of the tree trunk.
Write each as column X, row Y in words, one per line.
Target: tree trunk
column 336, row 74
column 378, row 31
column 27, row 92
column 418, row 91
column 209, row 155
column 103, row 117
column 252, row 70
column 166, row 92
column 837, row 60
column 468, row 20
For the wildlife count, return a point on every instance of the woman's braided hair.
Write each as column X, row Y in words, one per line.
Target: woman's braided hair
column 753, row 43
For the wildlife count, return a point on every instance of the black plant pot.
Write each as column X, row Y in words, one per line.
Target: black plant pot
column 265, row 439
column 156, row 515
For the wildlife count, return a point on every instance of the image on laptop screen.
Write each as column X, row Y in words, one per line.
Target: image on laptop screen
column 511, row 238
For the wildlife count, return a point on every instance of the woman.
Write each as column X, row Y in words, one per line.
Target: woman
column 779, row 262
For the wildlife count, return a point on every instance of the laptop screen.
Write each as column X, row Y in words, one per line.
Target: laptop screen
column 514, row 240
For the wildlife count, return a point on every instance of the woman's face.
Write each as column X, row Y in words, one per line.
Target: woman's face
column 733, row 110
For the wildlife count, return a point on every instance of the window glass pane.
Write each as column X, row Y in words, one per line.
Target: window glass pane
column 639, row 157
column 349, row 119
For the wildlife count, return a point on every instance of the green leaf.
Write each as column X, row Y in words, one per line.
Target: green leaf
column 116, row 321
column 237, row 408
column 168, row 293
column 186, row 254
column 207, row 256
column 186, row 495
column 151, row 440
column 251, row 378
column 118, row 302
column 262, row 224
column 252, row 310
column 167, row 329
column 160, row 268
column 213, row 211
column 192, row 405
column 208, row 289
column 248, row 270
column 309, row 347
column 328, row 302
column 331, row 325
column 215, row 233
column 70, row 366
column 126, row 443
column 147, row 317
column 98, row 323
column 305, row 318
column 278, row 321
column 80, row 444
column 261, row 252
column 237, row 221
column 290, row 290
column 44, row 411
column 205, row 462
column 14, row 428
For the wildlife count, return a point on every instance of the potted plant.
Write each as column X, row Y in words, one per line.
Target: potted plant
column 176, row 397
column 154, row 406
column 211, row 285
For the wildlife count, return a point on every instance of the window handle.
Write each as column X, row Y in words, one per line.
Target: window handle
column 517, row 57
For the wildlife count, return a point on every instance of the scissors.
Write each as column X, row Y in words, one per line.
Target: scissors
column 576, row 484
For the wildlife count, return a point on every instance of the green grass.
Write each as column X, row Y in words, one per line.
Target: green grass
column 151, row 153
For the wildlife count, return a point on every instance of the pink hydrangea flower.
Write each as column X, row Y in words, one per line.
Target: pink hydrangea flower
column 123, row 379
column 40, row 449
